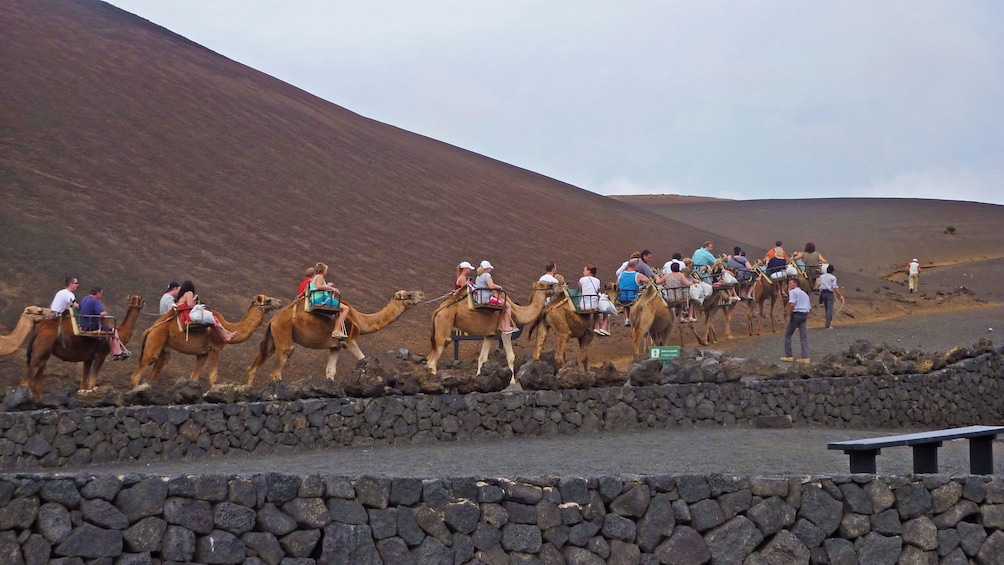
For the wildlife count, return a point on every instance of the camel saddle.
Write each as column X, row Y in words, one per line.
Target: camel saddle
column 491, row 299
column 574, row 296
column 322, row 309
column 76, row 318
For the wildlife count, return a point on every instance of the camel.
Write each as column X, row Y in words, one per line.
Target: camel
column 313, row 331
column 54, row 336
column 455, row 313
column 651, row 318
column 765, row 289
column 202, row 342
column 719, row 300
column 561, row 317
column 32, row 315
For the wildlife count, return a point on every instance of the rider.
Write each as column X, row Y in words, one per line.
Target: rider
column 702, row 261
column 92, row 314
column 777, row 264
column 744, row 272
column 628, row 283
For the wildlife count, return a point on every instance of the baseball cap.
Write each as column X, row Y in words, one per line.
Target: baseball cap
column 486, row 265
column 466, row 265
column 172, row 285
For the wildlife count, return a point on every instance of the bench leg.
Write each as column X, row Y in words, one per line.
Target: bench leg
column 925, row 458
column 981, row 455
column 863, row 461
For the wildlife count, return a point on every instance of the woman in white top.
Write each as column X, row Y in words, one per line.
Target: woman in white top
column 483, row 286
column 590, row 300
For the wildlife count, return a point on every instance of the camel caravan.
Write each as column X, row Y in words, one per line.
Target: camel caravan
column 317, row 318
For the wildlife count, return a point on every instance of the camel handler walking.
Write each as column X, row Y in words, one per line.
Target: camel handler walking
column 913, row 274
column 797, row 312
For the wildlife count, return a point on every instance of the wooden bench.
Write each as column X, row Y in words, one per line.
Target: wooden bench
column 925, row 446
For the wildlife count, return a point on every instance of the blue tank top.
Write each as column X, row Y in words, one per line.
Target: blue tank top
column 628, row 281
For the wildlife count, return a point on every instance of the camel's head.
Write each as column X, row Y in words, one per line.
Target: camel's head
column 136, row 300
column 38, row 312
column 409, row 297
column 266, row 303
column 548, row 288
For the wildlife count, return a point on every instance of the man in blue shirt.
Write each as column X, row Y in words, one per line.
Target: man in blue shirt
column 797, row 312
column 702, row 261
column 92, row 314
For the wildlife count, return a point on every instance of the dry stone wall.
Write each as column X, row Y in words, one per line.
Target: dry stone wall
column 966, row 393
column 287, row 519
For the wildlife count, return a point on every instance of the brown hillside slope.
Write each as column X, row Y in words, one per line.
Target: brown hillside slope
column 130, row 156
column 870, row 236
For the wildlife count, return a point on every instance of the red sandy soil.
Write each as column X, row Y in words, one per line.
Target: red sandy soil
column 130, row 157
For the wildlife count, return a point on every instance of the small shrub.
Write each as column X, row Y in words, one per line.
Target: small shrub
column 950, row 229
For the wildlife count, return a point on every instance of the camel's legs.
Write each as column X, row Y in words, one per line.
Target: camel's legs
column 265, row 350
column 541, row 336
column 214, row 360
column 510, row 357
column 353, row 348
column 559, row 353
column 483, row 356
column 200, row 360
column 332, row 368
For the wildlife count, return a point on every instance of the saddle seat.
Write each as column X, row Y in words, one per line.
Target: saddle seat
column 77, row 320
column 575, row 300
column 487, row 299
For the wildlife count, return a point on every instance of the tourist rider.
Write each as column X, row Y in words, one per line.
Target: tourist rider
column 92, row 316
column 463, row 275
column 677, row 285
column 744, row 273
column 328, row 299
column 590, row 300
column 187, row 299
column 167, row 300
column 308, row 275
column 628, row 284
column 485, row 289
column 812, row 260
column 65, row 298
column 550, row 276
column 702, row 261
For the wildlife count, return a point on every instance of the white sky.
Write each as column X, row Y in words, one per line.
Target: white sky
column 739, row 99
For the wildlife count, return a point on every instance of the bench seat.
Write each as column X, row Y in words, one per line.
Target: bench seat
column 862, row 452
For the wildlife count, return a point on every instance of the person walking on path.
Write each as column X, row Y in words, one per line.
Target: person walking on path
column 913, row 273
column 827, row 285
column 798, row 314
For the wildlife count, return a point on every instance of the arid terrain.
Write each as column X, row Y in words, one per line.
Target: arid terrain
column 130, row 157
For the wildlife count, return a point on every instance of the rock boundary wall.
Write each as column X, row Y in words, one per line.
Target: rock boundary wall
column 966, row 393
column 660, row 519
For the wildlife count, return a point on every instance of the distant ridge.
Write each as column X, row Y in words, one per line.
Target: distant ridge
column 640, row 199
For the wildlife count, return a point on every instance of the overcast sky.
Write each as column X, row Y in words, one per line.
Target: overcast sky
column 741, row 99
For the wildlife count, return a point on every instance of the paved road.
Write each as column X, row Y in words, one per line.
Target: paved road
column 739, row 451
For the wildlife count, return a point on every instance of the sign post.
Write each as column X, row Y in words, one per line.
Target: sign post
column 664, row 352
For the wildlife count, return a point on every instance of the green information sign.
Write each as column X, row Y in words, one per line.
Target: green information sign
column 664, row 352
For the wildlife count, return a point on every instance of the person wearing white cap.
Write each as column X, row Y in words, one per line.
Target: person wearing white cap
column 913, row 272
column 483, row 286
column 463, row 272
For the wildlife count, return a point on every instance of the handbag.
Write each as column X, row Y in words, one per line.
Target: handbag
column 605, row 305
column 202, row 315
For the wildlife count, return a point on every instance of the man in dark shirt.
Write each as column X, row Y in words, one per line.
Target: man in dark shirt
column 92, row 314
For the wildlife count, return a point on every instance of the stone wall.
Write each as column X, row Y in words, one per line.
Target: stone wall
column 276, row 518
column 966, row 393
